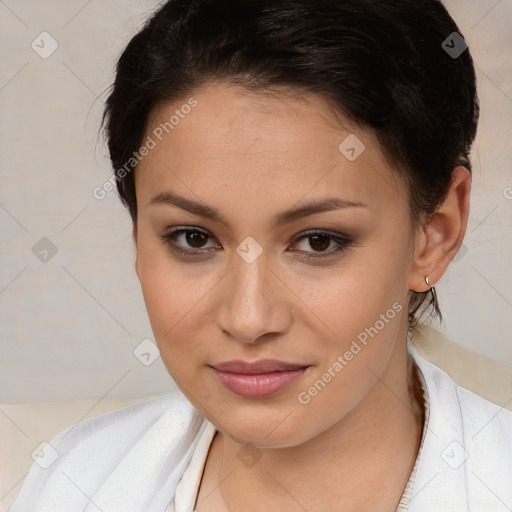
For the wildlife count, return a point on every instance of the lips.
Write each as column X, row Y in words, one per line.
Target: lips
column 259, row 379
column 257, row 367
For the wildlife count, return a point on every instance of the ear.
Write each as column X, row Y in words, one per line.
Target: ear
column 134, row 237
column 439, row 240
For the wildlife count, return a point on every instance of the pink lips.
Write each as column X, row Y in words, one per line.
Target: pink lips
column 259, row 379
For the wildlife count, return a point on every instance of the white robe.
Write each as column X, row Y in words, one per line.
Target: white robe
column 132, row 459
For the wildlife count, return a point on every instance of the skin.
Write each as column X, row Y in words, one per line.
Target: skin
column 250, row 156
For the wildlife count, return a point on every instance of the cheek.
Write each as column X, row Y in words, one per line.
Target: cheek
column 353, row 361
column 179, row 302
column 162, row 289
column 362, row 312
column 344, row 302
column 170, row 293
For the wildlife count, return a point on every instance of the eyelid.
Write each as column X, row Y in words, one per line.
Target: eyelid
column 179, row 230
column 342, row 240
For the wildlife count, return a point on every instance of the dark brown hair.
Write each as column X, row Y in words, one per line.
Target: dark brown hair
column 382, row 63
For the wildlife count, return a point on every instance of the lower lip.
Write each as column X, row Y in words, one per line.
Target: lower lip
column 259, row 385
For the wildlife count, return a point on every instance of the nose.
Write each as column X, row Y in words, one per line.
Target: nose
column 253, row 303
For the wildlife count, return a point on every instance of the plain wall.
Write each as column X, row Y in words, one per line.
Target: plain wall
column 69, row 325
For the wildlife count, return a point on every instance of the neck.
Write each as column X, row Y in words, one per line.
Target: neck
column 372, row 449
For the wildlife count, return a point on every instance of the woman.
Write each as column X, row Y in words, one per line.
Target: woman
column 298, row 177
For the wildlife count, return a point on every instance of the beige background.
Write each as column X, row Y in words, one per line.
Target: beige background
column 69, row 326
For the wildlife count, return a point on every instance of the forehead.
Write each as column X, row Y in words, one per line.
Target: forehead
column 263, row 147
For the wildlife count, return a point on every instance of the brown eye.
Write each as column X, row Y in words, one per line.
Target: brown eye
column 320, row 241
column 192, row 240
column 196, row 238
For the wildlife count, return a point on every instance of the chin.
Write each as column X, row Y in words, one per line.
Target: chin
column 272, row 429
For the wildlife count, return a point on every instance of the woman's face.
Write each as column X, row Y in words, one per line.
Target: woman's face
column 254, row 282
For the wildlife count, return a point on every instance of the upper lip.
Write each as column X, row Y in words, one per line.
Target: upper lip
column 256, row 367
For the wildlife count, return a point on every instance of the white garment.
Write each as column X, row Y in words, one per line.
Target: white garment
column 132, row 459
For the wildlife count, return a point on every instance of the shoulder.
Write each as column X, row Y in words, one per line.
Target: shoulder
column 108, row 447
column 481, row 387
column 448, row 395
column 466, row 459
column 123, row 427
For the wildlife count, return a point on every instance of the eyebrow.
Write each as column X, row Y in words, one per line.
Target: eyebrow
column 280, row 218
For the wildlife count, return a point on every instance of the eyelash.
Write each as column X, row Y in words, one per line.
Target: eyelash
column 169, row 237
